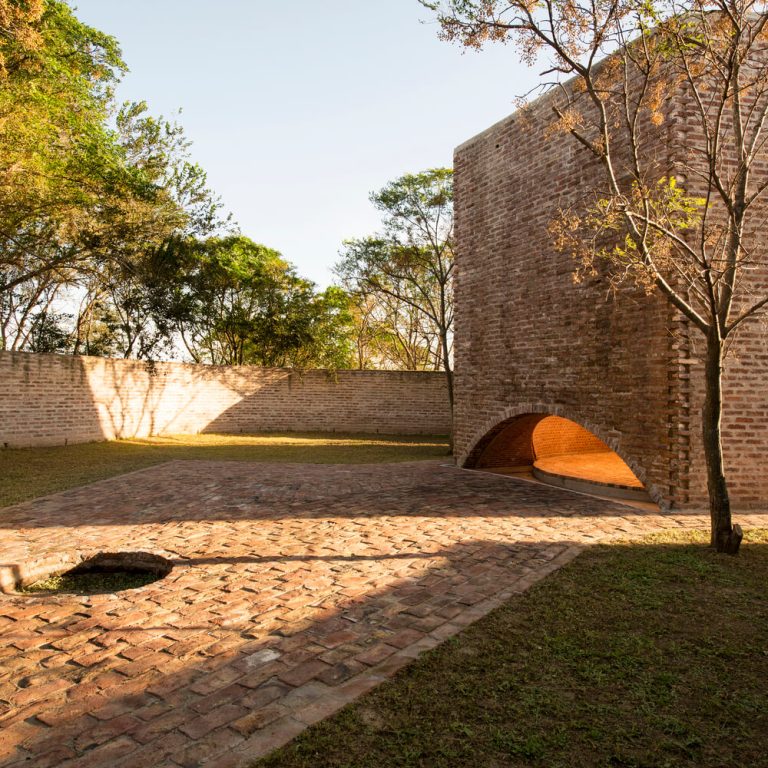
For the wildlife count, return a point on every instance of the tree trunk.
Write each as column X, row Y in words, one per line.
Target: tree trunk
column 725, row 537
column 447, row 366
column 449, row 381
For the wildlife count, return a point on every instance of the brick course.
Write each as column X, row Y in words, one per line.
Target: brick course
column 56, row 399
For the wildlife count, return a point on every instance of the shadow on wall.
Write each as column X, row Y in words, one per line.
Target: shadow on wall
column 139, row 399
column 169, row 398
column 57, row 399
column 48, row 400
column 61, row 399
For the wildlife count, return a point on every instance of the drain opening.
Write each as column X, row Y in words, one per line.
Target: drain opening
column 102, row 574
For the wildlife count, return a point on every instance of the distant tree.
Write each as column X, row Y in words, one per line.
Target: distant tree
column 410, row 263
column 127, row 276
column 20, row 308
column 238, row 302
column 686, row 232
column 328, row 330
column 48, row 333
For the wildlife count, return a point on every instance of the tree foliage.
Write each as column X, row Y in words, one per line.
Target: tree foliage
column 402, row 277
column 80, row 194
column 59, row 168
column 237, row 302
column 111, row 241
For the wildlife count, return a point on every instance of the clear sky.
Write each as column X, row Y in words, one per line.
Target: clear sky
column 298, row 109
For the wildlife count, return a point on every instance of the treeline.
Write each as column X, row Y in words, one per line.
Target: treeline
column 113, row 244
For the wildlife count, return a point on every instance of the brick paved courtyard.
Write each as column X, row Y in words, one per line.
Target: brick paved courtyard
column 295, row 588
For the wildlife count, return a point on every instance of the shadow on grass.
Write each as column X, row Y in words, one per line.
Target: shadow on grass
column 650, row 654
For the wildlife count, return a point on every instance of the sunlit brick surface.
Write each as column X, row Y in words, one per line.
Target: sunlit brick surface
column 536, row 436
column 295, row 588
column 554, row 436
column 597, row 467
column 60, row 399
column 557, row 446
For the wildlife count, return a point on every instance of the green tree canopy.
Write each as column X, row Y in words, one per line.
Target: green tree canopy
column 239, row 302
column 59, row 163
column 89, row 190
column 111, row 242
column 407, row 270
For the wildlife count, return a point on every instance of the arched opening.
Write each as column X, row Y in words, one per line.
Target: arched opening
column 559, row 452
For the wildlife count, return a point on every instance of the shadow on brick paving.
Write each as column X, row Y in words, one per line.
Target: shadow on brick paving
column 276, row 612
column 194, row 490
column 180, row 694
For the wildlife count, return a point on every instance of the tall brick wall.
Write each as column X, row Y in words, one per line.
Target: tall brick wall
column 531, row 341
column 745, row 419
column 52, row 399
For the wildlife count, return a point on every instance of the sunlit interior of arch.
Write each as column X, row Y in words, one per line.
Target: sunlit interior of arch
column 560, row 452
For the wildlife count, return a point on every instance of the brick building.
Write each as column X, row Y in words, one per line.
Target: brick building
column 625, row 371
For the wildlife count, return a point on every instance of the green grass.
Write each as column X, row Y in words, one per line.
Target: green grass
column 26, row 473
column 91, row 582
column 645, row 655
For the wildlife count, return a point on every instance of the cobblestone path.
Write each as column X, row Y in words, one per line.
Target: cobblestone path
column 295, row 588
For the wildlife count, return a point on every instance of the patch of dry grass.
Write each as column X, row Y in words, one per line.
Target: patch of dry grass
column 26, row 473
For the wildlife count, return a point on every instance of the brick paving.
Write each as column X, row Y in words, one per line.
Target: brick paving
column 295, row 589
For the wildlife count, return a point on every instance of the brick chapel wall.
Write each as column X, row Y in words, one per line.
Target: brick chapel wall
column 745, row 419
column 55, row 399
column 628, row 368
column 528, row 339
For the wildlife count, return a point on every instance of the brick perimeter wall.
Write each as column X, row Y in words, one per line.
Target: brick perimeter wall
column 53, row 399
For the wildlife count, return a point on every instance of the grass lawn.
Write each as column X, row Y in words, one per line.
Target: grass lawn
column 26, row 473
column 651, row 654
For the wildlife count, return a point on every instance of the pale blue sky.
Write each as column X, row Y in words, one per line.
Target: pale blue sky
column 298, row 108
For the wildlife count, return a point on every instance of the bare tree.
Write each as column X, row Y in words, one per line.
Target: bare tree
column 390, row 334
column 688, row 231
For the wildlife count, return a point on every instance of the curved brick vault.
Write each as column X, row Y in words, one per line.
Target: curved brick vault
column 529, row 340
column 518, row 440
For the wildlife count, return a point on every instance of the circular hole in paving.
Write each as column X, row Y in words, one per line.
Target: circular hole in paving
column 101, row 574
